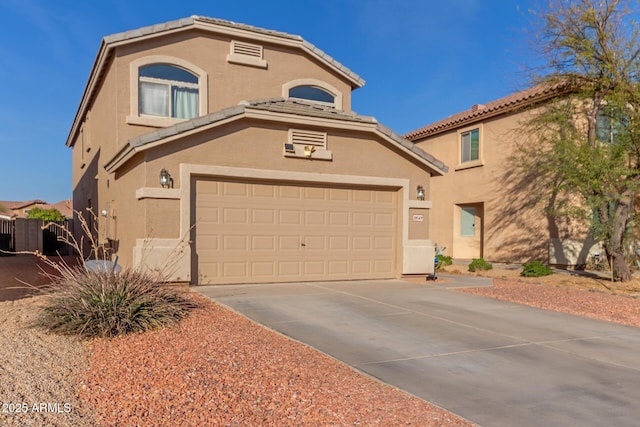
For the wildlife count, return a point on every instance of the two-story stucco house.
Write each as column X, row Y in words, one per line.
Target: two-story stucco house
column 242, row 141
column 481, row 207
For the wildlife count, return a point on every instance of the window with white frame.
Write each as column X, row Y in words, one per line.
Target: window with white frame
column 166, row 90
column 470, row 146
column 609, row 126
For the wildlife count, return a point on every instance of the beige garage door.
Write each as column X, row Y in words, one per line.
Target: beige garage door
column 250, row 232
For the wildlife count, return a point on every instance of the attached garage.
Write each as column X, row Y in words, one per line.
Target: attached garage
column 263, row 231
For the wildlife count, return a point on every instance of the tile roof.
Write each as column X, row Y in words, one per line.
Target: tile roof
column 490, row 109
column 284, row 106
column 64, row 207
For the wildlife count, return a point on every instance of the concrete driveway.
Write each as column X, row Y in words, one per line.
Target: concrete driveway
column 494, row 363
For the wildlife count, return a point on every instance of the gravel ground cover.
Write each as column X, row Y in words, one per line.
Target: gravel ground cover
column 40, row 374
column 219, row 368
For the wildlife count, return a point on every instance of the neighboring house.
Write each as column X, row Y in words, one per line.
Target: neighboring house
column 480, row 208
column 21, row 209
column 242, row 142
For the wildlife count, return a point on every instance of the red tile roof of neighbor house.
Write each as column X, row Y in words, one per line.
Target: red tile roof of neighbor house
column 483, row 111
column 65, row 207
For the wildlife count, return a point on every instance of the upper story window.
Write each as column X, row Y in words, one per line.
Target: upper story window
column 168, row 91
column 610, row 127
column 470, row 146
column 313, row 90
column 312, row 93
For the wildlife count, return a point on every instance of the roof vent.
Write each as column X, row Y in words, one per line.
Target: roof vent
column 246, row 54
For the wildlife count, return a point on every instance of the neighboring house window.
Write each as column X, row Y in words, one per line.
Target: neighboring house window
column 470, row 146
column 312, row 93
column 608, row 128
column 168, row 91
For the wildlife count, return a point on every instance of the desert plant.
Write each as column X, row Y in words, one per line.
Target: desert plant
column 101, row 302
column 479, row 264
column 443, row 261
column 104, row 304
column 535, row 269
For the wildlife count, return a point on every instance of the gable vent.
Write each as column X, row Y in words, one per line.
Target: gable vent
column 304, row 137
column 246, row 49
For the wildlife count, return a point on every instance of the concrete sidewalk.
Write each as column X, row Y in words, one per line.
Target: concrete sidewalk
column 495, row 363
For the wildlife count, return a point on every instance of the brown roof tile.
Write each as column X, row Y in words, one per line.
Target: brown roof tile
column 481, row 111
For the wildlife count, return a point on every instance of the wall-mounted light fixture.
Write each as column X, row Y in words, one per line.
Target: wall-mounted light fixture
column 165, row 179
column 420, row 191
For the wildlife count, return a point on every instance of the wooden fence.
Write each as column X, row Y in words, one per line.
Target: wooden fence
column 28, row 235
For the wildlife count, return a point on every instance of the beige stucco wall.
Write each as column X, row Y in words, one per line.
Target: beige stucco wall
column 227, row 83
column 255, row 145
column 511, row 224
column 105, row 127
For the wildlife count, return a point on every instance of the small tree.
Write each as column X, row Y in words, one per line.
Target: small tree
column 45, row 214
column 585, row 146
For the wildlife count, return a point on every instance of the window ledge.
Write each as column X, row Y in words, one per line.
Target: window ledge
column 246, row 60
column 470, row 165
column 317, row 154
column 157, row 122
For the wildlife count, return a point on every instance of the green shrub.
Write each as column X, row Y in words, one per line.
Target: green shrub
column 102, row 304
column 479, row 264
column 444, row 260
column 535, row 269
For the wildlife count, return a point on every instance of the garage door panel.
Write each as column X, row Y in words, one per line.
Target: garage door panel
column 238, row 189
column 315, row 218
column 235, row 269
column 337, row 243
column 290, row 217
column 362, row 243
column 260, row 232
column 263, row 243
column 339, row 218
column 339, row 194
column 290, row 192
column 234, row 243
column 289, row 269
column 383, row 243
column 362, row 219
column 314, row 268
column 314, row 193
column 384, row 219
column 235, row 215
column 263, row 191
column 382, row 266
column 265, row 269
column 263, row 216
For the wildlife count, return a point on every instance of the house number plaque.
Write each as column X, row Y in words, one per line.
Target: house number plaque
column 418, row 218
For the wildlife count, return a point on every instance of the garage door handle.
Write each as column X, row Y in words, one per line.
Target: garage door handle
column 303, row 245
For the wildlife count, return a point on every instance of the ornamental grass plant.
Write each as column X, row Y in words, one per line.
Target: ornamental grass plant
column 102, row 302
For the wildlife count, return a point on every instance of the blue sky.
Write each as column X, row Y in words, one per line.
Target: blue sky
column 422, row 61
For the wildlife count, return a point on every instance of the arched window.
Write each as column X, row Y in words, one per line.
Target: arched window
column 312, row 93
column 168, row 91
